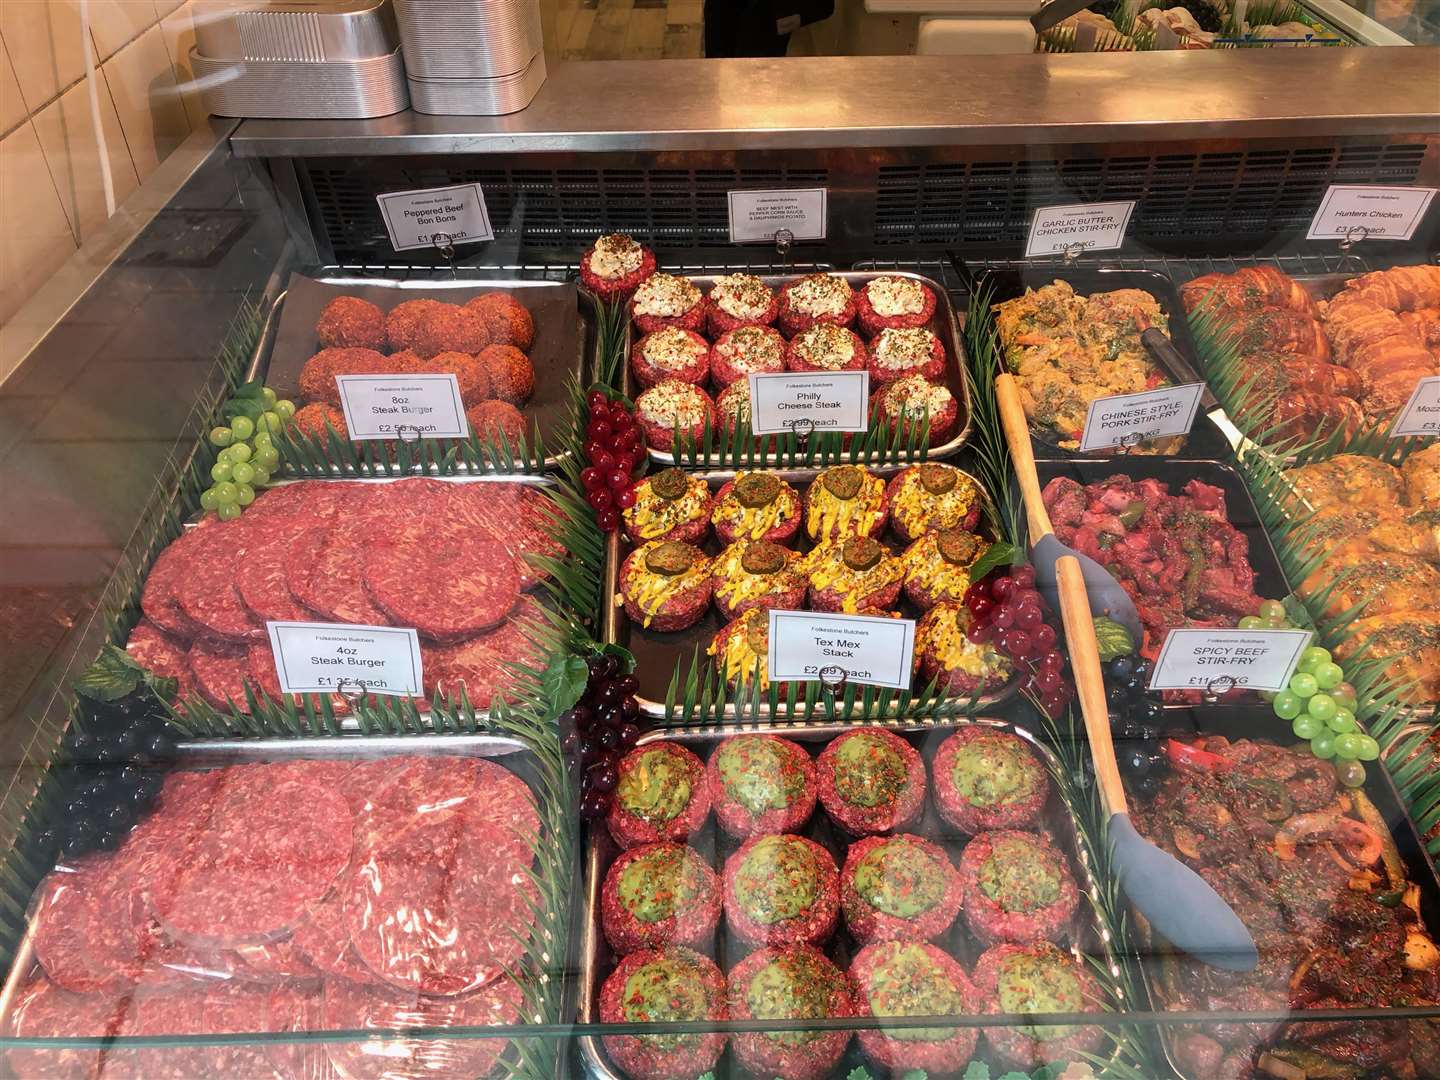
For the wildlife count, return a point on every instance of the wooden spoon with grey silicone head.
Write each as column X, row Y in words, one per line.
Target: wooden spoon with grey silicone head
column 1107, row 597
column 1178, row 902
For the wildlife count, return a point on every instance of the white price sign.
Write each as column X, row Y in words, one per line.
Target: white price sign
column 1054, row 230
column 1367, row 212
column 321, row 658
column 403, row 406
column 1220, row 659
column 756, row 216
column 808, row 401
column 434, row 217
column 1127, row 419
column 866, row 648
column 1421, row 414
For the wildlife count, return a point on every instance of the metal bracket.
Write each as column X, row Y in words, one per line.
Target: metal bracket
column 802, row 430
column 1072, row 252
column 1353, row 235
column 784, row 244
column 407, row 433
column 445, row 244
column 832, row 679
column 1128, row 442
column 349, row 696
column 1218, row 687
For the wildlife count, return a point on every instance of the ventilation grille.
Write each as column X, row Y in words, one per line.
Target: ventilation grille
column 547, row 208
column 1202, row 195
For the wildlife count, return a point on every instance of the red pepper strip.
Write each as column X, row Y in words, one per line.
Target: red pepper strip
column 1184, row 756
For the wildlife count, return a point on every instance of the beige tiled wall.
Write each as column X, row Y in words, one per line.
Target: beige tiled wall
column 52, row 196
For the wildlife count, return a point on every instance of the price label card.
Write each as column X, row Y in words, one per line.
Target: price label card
column 1194, row 659
column 1091, row 226
column 432, row 217
column 1126, row 419
column 401, row 406
column 1421, row 414
column 320, row 658
column 809, row 401
column 1386, row 213
column 756, row 216
column 868, row 649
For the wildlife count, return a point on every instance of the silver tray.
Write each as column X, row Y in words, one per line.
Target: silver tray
column 944, row 324
column 211, row 753
column 595, row 959
column 276, row 332
column 617, row 630
column 349, row 723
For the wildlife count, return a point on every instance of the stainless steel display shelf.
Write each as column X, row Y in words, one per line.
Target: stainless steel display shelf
column 850, row 101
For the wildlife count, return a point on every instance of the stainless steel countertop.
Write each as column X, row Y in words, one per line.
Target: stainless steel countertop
column 860, row 101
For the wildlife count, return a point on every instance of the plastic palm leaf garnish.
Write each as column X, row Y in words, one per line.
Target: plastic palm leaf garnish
column 982, row 345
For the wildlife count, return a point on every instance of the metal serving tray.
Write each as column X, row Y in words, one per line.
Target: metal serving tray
column 287, row 337
column 714, row 845
column 349, row 723
column 1175, row 473
column 213, row 753
column 1259, row 722
column 1205, row 439
column 658, row 654
column 944, row 324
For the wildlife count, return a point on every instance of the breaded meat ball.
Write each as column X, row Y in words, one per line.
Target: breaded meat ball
column 491, row 419
column 450, row 328
column 508, row 321
column 351, row 323
column 512, row 377
column 402, row 324
column 317, row 377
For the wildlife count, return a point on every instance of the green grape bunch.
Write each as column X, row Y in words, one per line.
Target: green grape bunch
column 247, row 457
column 1320, row 704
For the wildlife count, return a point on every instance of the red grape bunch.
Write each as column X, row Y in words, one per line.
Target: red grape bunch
column 1009, row 614
column 613, row 447
column 598, row 729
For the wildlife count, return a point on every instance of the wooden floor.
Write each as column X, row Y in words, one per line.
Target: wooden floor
column 627, row 29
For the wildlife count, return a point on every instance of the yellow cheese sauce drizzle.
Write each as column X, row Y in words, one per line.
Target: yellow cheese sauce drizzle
column 918, row 508
column 652, row 516
column 826, row 565
column 828, row 516
column 738, row 585
column 650, row 590
column 739, row 659
column 755, row 523
column 923, row 563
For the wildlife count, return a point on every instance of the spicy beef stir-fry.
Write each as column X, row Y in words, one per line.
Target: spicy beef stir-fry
column 1309, row 868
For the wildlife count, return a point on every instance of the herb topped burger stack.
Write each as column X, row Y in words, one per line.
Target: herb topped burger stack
column 761, row 784
column 781, row 889
column 898, row 887
column 794, row 982
column 871, row 781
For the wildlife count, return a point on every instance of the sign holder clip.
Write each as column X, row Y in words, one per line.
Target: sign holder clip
column 784, row 246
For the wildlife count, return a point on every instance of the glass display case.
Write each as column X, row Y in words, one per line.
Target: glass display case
column 621, row 632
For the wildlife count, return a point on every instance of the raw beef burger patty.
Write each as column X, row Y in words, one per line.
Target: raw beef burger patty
column 207, row 592
column 458, row 587
column 269, row 856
